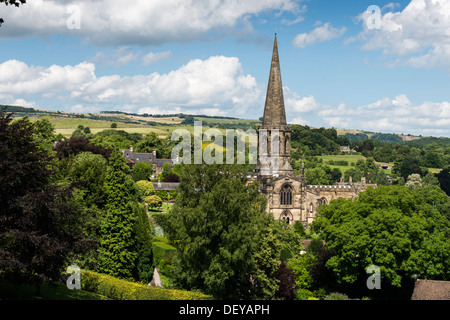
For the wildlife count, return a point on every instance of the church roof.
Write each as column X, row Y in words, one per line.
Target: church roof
column 274, row 110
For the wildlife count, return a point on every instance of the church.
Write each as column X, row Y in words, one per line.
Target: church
column 289, row 197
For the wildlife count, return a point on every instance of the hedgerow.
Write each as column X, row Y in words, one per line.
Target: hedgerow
column 119, row 289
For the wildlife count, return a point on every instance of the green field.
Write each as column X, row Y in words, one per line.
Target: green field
column 164, row 126
column 354, row 158
column 351, row 159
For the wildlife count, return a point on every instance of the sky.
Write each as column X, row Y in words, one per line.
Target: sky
column 343, row 66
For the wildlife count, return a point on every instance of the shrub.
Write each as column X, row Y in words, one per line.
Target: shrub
column 119, row 289
column 336, row 296
column 145, row 188
column 153, row 201
column 303, row 294
column 167, row 195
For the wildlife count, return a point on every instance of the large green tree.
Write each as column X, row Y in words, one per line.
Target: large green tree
column 120, row 243
column 39, row 228
column 404, row 232
column 227, row 245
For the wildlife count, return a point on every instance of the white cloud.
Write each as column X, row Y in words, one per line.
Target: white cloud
column 120, row 57
column 397, row 115
column 420, row 34
column 16, row 77
column 216, row 86
column 319, row 34
column 155, row 57
column 117, row 22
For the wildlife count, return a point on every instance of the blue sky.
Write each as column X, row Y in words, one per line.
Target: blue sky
column 213, row 57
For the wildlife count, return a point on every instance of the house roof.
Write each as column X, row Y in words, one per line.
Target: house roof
column 431, row 290
column 135, row 157
column 165, row 185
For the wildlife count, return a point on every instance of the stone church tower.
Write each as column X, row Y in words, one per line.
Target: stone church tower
column 289, row 198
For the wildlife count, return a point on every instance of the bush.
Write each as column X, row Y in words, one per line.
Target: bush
column 161, row 250
column 153, row 201
column 303, row 294
column 163, row 194
column 145, row 188
column 119, row 289
column 336, row 296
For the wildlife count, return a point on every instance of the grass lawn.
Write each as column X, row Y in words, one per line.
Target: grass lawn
column 350, row 158
column 164, row 208
column 9, row 291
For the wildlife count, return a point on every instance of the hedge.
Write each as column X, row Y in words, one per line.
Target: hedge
column 119, row 289
column 161, row 250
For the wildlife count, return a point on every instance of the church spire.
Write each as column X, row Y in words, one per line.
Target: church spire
column 274, row 111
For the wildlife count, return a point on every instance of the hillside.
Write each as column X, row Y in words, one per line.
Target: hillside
column 66, row 122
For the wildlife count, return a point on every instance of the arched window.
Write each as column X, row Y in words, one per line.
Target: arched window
column 286, row 196
column 286, row 216
column 322, row 201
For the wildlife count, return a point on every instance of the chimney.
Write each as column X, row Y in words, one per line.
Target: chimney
column 350, row 179
column 131, row 148
column 154, row 152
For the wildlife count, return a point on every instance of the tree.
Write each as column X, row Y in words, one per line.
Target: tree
column 117, row 251
column 444, row 180
column 166, row 171
column 151, row 142
column 45, row 133
column 172, row 178
column 226, row 246
column 142, row 171
column 153, row 201
column 414, row 181
column 300, row 267
column 75, row 145
column 431, row 160
column 143, row 271
column 17, row 3
column 39, row 227
column 89, row 171
column 285, row 276
column 145, row 188
column 113, row 125
column 430, row 179
column 409, row 166
column 400, row 230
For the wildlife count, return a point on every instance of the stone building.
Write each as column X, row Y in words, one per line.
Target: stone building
column 134, row 157
column 289, row 197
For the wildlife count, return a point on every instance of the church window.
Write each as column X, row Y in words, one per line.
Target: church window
column 286, row 196
column 286, row 217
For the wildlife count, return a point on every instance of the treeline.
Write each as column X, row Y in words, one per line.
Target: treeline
column 8, row 108
column 430, row 152
column 179, row 115
column 315, row 142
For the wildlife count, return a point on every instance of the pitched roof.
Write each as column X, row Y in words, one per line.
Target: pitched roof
column 431, row 290
column 274, row 110
column 165, row 185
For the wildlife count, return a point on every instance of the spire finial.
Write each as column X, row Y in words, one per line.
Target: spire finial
column 274, row 110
